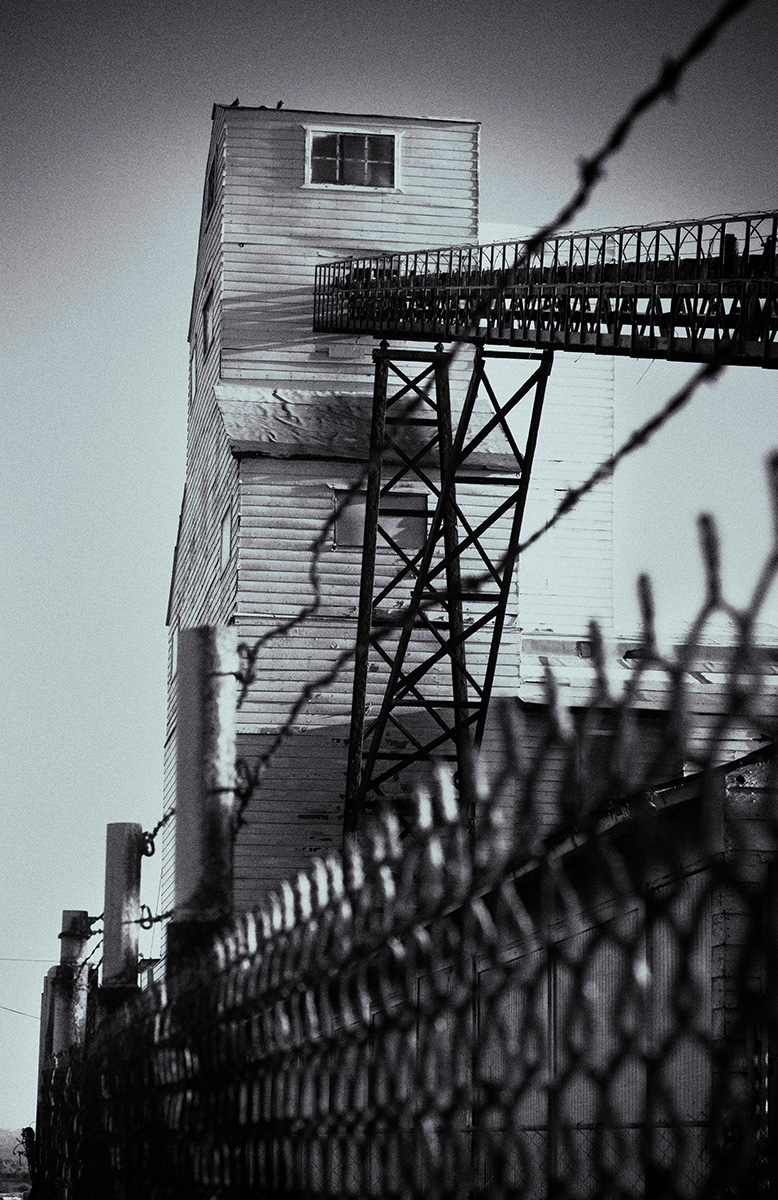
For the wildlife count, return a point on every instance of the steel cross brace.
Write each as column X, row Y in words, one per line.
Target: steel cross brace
column 424, row 660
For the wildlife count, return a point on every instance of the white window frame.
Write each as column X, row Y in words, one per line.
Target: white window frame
column 359, row 502
column 344, row 127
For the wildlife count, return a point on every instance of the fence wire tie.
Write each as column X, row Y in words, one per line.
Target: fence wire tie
column 148, row 920
column 148, row 840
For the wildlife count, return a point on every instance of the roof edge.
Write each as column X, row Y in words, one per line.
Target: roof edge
column 315, row 112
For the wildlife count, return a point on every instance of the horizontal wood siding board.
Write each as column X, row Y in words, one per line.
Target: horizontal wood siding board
column 295, row 814
column 283, row 507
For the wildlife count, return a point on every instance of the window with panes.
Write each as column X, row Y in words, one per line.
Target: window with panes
column 353, row 159
column 402, row 516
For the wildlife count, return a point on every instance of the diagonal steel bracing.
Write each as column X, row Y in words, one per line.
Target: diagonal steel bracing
column 428, row 638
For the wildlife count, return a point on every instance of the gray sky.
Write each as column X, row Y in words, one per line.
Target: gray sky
column 103, row 144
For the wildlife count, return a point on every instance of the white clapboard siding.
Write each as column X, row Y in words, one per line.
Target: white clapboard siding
column 168, row 832
column 276, row 230
column 297, row 812
column 259, row 247
column 284, row 505
column 200, row 592
column 203, row 591
column 566, row 578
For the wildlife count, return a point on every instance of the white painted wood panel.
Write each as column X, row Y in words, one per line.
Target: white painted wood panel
column 285, row 227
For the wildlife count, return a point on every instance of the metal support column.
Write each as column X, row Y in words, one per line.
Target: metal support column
column 419, row 694
column 463, row 737
column 365, row 619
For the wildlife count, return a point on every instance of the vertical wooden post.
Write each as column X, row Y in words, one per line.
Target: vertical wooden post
column 71, row 982
column 205, row 784
column 121, row 911
column 46, row 1043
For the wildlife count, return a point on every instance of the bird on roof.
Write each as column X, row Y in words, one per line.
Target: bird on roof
column 280, row 104
column 235, row 102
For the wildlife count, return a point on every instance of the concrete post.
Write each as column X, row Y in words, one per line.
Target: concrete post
column 121, row 911
column 72, row 982
column 205, row 784
column 46, row 1043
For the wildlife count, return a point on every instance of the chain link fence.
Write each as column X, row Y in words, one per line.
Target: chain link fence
column 498, row 1004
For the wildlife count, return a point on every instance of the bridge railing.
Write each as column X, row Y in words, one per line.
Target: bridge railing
column 669, row 290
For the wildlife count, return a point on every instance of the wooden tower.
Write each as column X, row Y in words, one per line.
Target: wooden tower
column 279, row 428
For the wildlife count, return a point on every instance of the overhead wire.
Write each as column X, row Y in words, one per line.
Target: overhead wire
column 26, row 960
column 19, row 1013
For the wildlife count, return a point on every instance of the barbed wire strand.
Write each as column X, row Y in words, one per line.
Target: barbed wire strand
column 154, row 926
column 93, row 951
column 590, row 173
column 591, row 170
column 148, row 840
column 708, row 373
column 26, row 960
column 250, row 779
column 148, row 920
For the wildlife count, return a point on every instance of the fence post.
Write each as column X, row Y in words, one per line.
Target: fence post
column 205, row 786
column 121, row 911
column 71, row 983
column 46, row 1043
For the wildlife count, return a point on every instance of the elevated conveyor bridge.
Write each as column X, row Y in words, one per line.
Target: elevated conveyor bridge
column 696, row 291
column 681, row 291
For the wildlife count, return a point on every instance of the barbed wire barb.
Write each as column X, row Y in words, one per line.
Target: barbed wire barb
column 148, row 840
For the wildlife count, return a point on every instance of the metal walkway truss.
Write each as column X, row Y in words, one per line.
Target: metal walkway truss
column 691, row 291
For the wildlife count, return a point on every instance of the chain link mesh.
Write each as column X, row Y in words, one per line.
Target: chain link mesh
column 572, row 1005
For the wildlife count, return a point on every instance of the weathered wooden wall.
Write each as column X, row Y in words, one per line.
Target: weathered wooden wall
column 276, row 230
column 566, row 578
column 260, row 242
column 284, row 505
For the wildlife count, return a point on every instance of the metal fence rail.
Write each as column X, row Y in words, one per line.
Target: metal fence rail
column 686, row 290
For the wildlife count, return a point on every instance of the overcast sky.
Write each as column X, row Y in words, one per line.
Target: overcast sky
column 103, row 144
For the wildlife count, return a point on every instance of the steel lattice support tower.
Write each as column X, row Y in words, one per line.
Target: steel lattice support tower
column 424, row 675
